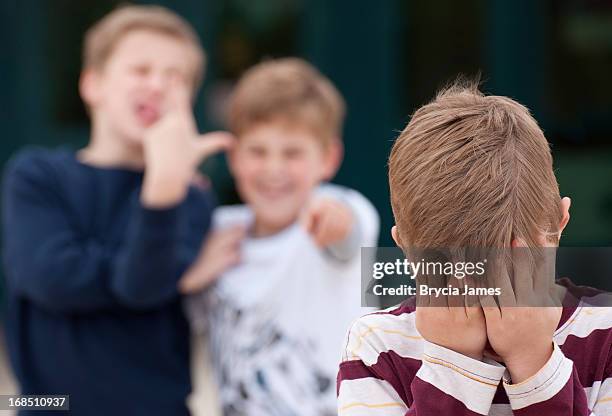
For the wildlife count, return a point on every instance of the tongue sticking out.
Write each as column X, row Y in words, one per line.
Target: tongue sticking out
column 147, row 114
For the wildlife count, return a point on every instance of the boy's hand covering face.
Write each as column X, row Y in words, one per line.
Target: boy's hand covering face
column 173, row 150
column 461, row 329
column 218, row 253
column 521, row 335
column 452, row 322
column 328, row 221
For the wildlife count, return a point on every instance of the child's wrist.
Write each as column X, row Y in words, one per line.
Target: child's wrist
column 467, row 352
column 522, row 367
column 474, row 355
column 162, row 190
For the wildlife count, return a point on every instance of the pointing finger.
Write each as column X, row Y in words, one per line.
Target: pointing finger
column 211, row 143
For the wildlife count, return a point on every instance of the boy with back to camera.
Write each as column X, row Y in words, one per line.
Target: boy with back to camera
column 96, row 241
column 275, row 320
column 476, row 171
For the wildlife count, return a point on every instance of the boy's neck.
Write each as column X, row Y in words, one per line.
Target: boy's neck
column 560, row 292
column 106, row 149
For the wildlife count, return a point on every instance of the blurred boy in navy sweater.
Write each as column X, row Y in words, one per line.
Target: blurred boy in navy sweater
column 96, row 241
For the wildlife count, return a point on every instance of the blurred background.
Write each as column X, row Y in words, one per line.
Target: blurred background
column 386, row 57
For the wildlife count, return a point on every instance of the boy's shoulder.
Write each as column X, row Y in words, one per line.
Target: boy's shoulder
column 38, row 167
column 229, row 215
column 587, row 322
column 392, row 330
column 352, row 197
column 35, row 159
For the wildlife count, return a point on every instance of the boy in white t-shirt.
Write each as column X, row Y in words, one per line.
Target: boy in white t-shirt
column 286, row 265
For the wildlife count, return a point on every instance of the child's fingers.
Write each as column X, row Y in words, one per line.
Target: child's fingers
column 490, row 307
column 544, row 277
column 326, row 228
column 219, row 241
column 471, row 300
column 192, row 283
column 324, row 220
column 497, row 276
column 474, row 311
column 307, row 222
column 435, row 281
column 224, row 259
column 229, row 237
column 211, row 143
column 231, row 259
column 456, row 302
column 200, row 181
column 179, row 97
column 522, row 271
column 222, row 251
column 186, row 285
column 309, row 219
column 317, row 232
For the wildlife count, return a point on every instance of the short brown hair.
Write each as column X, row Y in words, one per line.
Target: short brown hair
column 287, row 90
column 102, row 37
column 471, row 170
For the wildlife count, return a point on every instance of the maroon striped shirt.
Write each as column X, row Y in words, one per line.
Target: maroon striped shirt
column 388, row 369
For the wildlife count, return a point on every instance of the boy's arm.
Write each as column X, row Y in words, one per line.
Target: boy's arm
column 439, row 388
column 44, row 259
column 540, row 379
column 146, row 270
column 603, row 401
column 454, row 384
column 342, row 221
column 556, row 390
column 59, row 269
column 362, row 392
column 150, row 264
column 220, row 251
column 373, row 378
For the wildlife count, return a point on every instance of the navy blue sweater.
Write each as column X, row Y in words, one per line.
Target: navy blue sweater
column 91, row 275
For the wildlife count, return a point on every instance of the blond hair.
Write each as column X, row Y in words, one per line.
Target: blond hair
column 287, row 90
column 471, row 170
column 103, row 37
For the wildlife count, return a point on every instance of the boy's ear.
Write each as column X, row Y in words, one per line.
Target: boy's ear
column 566, row 203
column 395, row 236
column 333, row 158
column 89, row 86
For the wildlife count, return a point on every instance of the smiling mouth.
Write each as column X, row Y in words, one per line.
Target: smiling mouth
column 274, row 193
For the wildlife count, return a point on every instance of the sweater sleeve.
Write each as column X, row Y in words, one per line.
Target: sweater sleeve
column 451, row 383
column 145, row 270
column 556, row 390
column 364, row 232
column 54, row 266
column 446, row 382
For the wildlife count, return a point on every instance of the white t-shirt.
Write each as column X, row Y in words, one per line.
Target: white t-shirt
column 275, row 323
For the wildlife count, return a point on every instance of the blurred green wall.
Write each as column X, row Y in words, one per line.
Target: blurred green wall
column 387, row 58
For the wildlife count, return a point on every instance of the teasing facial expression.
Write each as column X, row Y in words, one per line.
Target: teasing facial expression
column 276, row 167
column 129, row 93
